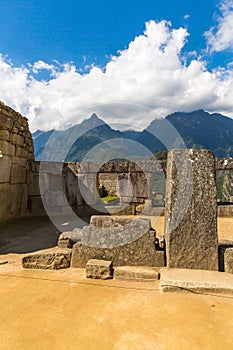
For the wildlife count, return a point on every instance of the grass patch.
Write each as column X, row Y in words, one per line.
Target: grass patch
column 109, row 198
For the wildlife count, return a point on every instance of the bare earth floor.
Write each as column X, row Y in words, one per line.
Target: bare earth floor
column 63, row 310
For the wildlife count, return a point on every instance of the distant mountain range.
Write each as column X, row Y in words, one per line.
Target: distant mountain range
column 197, row 129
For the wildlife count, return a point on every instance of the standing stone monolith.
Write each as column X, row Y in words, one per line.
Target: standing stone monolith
column 191, row 210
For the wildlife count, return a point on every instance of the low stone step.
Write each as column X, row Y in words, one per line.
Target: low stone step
column 99, row 269
column 136, row 273
column 49, row 259
column 200, row 281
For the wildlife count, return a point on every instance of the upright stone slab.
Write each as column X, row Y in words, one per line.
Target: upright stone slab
column 191, row 210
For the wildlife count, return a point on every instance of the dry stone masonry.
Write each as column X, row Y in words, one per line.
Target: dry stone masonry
column 191, row 241
column 16, row 148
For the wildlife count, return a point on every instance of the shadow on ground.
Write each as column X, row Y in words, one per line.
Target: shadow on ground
column 28, row 234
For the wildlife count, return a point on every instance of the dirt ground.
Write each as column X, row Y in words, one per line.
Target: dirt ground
column 63, row 310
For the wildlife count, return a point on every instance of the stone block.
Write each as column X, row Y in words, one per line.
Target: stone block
column 68, row 239
column 5, row 122
column 17, row 139
column 136, row 273
column 228, row 260
column 141, row 252
column 15, row 201
column 21, row 152
column 197, row 281
column 191, row 210
column 99, row 269
column 118, row 232
column 5, row 169
column 111, row 221
column 20, row 161
column 88, row 187
column 53, row 259
column 225, row 211
column 18, row 174
column 6, row 148
column 4, row 135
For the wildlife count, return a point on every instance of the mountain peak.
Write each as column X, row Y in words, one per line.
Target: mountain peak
column 93, row 121
column 94, row 117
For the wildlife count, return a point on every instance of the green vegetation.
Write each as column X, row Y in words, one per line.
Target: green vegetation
column 109, row 198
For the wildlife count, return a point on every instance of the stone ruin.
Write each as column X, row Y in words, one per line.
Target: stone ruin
column 16, row 149
column 111, row 242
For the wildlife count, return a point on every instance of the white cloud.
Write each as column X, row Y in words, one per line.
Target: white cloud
column 221, row 38
column 151, row 72
column 41, row 65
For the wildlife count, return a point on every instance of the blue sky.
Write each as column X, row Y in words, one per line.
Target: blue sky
column 59, row 58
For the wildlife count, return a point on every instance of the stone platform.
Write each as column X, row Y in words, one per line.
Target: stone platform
column 198, row 281
column 136, row 273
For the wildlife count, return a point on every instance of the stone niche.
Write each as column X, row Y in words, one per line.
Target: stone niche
column 16, row 148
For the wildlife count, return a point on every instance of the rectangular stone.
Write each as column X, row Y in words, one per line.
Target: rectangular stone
column 99, row 269
column 136, row 273
column 20, row 161
column 5, row 122
column 17, row 139
column 111, row 221
column 51, row 259
column 21, row 152
column 15, row 199
column 88, row 187
column 4, row 135
column 191, row 210
column 228, row 260
column 140, row 252
column 6, row 148
column 5, row 169
column 18, row 174
column 199, row 281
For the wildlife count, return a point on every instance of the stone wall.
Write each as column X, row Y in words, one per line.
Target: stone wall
column 79, row 182
column 16, row 148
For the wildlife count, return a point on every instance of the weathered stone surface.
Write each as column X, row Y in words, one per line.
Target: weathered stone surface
column 18, row 174
column 224, row 163
column 183, row 280
column 52, row 259
column 69, row 238
column 21, row 152
column 5, row 122
column 4, row 135
column 88, row 188
column 223, row 244
column 19, row 161
column 5, row 168
column 141, row 252
column 228, row 260
column 13, row 163
column 136, row 273
column 36, row 206
column 99, row 269
column 14, row 198
column 116, row 234
column 225, row 211
column 191, row 211
column 6, row 148
column 112, row 221
column 17, row 139
column 33, row 184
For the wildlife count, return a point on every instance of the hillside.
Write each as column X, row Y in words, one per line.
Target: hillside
column 198, row 129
